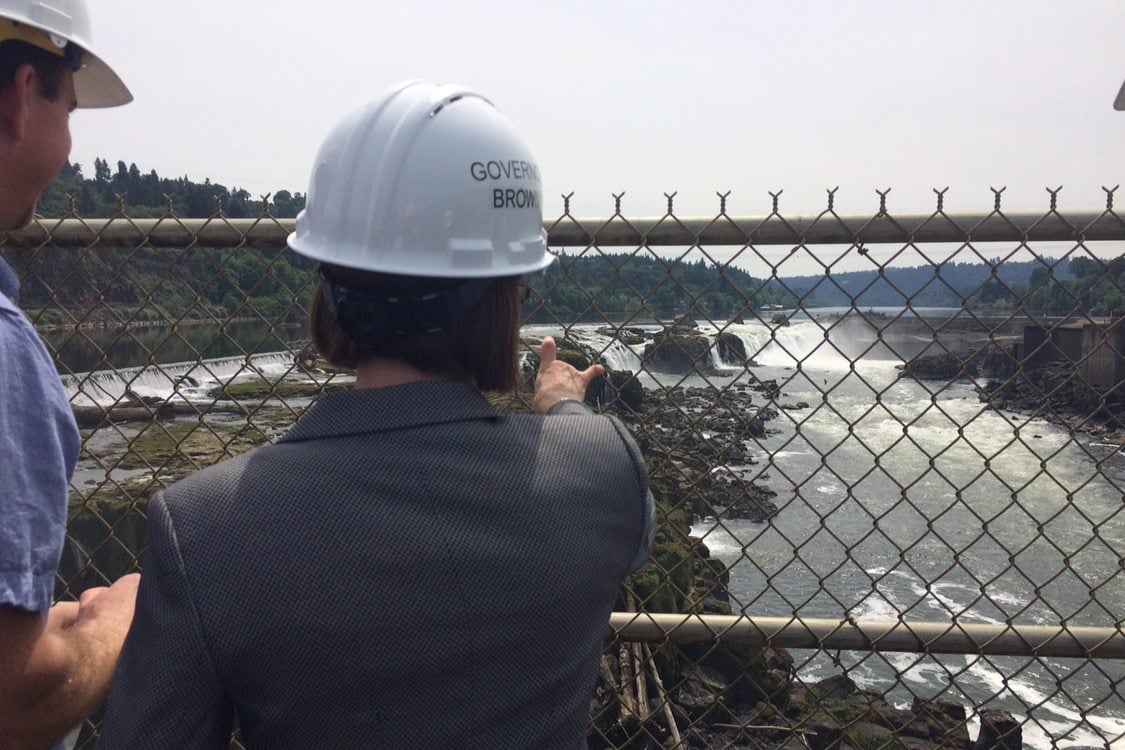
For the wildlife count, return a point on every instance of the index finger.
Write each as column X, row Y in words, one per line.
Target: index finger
column 547, row 352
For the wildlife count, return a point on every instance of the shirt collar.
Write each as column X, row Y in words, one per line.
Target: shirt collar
column 397, row 407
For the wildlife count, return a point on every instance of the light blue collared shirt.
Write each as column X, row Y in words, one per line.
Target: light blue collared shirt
column 39, row 444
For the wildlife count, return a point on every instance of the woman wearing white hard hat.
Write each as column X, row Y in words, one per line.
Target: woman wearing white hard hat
column 408, row 566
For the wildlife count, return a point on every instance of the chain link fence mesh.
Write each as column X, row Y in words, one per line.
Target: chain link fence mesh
column 886, row 450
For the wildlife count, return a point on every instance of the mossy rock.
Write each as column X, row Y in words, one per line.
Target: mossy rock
column 867, row 736
column 714, row 568
column 746, row 667
column 178, row 448
column 678, row 353
column 105, row 536
column 106, row 527
column 664, row 584
column 626, row 389
column 732, row 349
column 943, row 366
column 674, row 505
column 673, row 522
column 653, row 591
column 703, row 693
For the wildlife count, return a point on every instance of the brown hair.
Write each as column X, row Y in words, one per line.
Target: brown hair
column 479, row 347
column 49, row 69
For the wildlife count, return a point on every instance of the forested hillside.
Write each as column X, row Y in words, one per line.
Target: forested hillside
column 111, row 285
column 1079, row 285
column 593, row 283
column 922, row 286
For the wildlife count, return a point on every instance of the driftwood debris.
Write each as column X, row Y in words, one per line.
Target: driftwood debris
column 632, row 680
column 134, row 408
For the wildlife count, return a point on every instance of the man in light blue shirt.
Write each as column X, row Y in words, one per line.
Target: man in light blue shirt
column 55, row 661
column 39, row 443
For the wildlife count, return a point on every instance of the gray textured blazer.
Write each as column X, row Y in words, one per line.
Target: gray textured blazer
column 406, row 568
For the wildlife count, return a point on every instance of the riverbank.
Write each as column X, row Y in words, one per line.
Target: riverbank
column 1061, row 396
column 1056, row 393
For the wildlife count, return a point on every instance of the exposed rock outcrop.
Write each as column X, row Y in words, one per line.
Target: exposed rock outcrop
column 679, row 351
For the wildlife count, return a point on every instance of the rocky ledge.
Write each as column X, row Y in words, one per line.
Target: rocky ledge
column 1060, row 395
column 1056, row 392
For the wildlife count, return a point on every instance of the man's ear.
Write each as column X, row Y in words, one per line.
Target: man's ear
column 14, row 101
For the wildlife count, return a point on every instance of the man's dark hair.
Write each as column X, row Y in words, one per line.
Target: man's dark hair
column 48, row 68
column 480, row 346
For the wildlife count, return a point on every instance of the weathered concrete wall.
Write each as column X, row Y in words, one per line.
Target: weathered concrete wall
column 1043, row 346
column 1104, row 365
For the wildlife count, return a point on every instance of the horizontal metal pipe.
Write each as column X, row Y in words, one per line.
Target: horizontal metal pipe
column 623, row 232
column 832, row 229
column 153, row 232
column 873, row 635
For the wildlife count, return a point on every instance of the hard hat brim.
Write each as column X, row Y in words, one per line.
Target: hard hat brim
column 97, row 86
column 346, row 257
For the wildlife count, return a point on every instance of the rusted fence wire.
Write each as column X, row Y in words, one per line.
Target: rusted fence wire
column 886, row 448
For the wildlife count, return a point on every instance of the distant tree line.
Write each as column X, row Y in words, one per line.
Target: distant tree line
column 147, row 194
column 1081, row 285
column 645, row 286
column 275, row 284
column 1096, row 288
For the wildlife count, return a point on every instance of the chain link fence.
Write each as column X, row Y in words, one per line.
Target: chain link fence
column 887, row 450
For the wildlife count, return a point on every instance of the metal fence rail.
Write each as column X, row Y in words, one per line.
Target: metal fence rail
column 620, row 231
column 872, row 635
column 892, row 500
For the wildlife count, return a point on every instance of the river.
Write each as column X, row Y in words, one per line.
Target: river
column 895, row 496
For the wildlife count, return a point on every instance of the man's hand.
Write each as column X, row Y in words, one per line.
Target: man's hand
column 557, row 380
column 57, row 665
column 109, row 609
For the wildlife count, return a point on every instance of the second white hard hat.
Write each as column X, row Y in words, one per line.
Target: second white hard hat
column 425, row 180
column 62, row 27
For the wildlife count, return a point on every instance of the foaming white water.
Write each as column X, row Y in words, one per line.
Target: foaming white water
column 987, row 509
column 186, row 380
column 811, row 344
column 616, row 354
column 785, row 346
column 1029, row 689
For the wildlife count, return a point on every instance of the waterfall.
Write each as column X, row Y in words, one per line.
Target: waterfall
column 803, row 340
column 619, row 356
column 190, row 380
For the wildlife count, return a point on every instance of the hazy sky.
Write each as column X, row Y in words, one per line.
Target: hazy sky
column 647, row 97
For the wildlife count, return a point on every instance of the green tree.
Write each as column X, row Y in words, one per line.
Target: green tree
column 101, row 170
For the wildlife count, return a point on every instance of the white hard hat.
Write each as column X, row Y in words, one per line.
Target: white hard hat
column 425, row 180
column 62, row 27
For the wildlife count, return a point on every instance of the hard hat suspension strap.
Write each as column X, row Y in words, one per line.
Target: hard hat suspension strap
column 368, row 316
column 15, row 31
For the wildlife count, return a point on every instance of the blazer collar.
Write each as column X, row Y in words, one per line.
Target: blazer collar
column 383, row 409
